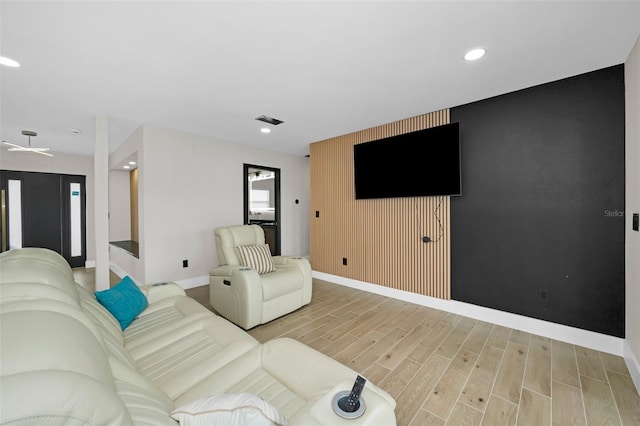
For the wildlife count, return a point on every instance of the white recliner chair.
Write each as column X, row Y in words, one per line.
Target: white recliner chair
column 242, row 291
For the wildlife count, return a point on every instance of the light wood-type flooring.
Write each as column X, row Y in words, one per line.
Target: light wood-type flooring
column 444, row 368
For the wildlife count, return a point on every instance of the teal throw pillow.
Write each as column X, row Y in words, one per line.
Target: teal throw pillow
column 125, row 301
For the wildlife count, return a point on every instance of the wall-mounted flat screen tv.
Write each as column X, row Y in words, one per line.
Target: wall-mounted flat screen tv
column 416, row 164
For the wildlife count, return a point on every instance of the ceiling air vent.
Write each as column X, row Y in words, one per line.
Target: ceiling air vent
column 269, row 120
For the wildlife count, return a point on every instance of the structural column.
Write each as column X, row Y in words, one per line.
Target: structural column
column 101, row 194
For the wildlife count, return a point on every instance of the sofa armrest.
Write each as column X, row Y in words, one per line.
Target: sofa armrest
column 235, row 292
column 303, row 265
column 159, row 291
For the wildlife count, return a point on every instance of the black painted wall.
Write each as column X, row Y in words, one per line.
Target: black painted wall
column 542, row 201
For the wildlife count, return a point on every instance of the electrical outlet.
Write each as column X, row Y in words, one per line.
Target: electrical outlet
column 185, row 263
column 635, row 224
column 317, row 213
column 344, row 260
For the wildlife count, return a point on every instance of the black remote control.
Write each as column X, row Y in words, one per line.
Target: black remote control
column 351, row 403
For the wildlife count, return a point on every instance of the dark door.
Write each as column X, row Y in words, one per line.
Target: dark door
column 262, row 202
column 44, row 210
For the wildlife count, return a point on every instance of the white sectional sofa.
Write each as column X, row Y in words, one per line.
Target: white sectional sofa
column 66, row 360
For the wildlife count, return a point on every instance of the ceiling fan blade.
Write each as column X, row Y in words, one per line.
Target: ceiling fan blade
column 41, row 152
column 19, row 148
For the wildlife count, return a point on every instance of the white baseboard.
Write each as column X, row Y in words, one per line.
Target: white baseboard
column 117, row 270
column 90, row 264
column 573, row 335
column 193, row 282
column 632, row 364
column 185, row 284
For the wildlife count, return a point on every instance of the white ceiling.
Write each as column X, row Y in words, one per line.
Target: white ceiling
column 325, row 68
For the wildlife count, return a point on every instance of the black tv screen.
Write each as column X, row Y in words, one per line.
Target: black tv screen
column 416, row 164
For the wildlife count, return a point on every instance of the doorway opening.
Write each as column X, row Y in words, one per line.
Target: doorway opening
column 262, row 202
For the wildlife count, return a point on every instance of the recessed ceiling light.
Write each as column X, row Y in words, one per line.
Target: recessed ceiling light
column 8, row 62
column 474, row 54
column 126, row 167
column 265, row 130
column 75, row 131
column 133, row 163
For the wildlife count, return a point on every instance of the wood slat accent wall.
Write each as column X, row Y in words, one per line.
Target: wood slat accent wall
column 382, row 238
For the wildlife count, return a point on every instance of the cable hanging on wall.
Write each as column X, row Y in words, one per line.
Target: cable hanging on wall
column 426, row 238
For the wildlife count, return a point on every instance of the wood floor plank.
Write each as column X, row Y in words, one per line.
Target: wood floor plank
column 614, row 363
column 477, row 390
column 499, row 336
column 398, row 352
column 520, row 337
column 347, row 326
column 423, row 418
column 413, row 396
column 357, row 346
column 510, row 375
column 375, row 373
column 393, row 321
column 374, row 352
column 430, row 343
column 318, row 327
column 399, row 377
column 463, row 415
column 275, row 329
column 360, row 305
column 454, row 341
column 564, row 367
column 599, row 406
column 500, row 413
column 590, row 364
column 428, row 317
column 537, row 376
column 452, row 318
column 478, row 337
column 331, row 348
column 626, row 397
column 375, row 316
column 566, row 405
column 446, row 392
column 535, row 409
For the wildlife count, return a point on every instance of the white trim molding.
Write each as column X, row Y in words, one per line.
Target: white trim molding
column 117, row 270
column 185, row 284
column 90, row 264
column 632, row 364
column 588, row 339
column 193, row 282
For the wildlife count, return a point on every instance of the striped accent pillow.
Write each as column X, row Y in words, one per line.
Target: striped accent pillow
column 257, row 257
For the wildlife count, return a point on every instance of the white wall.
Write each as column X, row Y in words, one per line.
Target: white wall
column 67, row 164
column 632, row 238
column 190, row 184
column 119, row 205
column 122, row 262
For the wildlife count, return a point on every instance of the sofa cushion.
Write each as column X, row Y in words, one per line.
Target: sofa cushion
column 258, row 257
column 286, row 281
column 182, row 357
column 229, row 409
column 161, row 318
column 125, row 301
column 36, row 265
